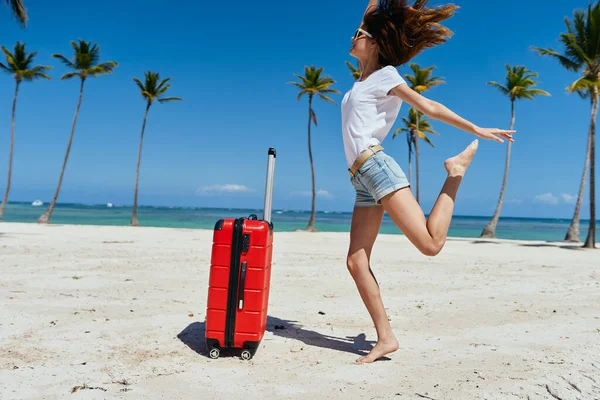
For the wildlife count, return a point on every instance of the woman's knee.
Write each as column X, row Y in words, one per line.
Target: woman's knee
column 357, row 263
column 431, row 248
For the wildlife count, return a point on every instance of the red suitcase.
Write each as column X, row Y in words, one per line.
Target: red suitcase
column 240, row 277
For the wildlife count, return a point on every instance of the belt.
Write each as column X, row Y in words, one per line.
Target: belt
column 363, row 157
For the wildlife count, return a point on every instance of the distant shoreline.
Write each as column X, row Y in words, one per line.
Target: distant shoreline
column 529, row 229
column 123, row 207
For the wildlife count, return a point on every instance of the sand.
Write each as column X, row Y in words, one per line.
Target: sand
column 118, row 312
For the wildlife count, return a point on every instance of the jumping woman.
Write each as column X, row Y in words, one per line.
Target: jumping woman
column 390, row 35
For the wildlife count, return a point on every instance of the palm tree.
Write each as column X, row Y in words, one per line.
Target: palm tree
column 420, row 82
column 18, row 64
column 19, row 11
column 412, row 133
column 355, row 72
column 573, row 233
column 153, row 89
column 312, row 83
column 85, row 63
column 582, row 53
column 519, row 85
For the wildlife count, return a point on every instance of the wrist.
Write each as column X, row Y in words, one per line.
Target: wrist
column 475, row 130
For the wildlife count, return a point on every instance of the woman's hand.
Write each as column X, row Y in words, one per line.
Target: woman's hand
column 494, row 134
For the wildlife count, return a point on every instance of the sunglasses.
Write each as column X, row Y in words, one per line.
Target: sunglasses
column 360, row 32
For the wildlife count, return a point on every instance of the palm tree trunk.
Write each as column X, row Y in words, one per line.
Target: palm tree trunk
column 490, row 230
column 573, row 234
column 45, row 218
column 416, row 143
column 311, row 221
column 134, row 219
column 590, row 241
column 12, row 148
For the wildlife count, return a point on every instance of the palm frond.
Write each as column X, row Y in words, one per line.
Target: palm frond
column 64, row 60
column 411, row 79
column 574, row 49
column 499, row 86
column 324, row 91
column 162, row 91
column 435, row 81
column 305, row 80
column 399, row 131
column 355, row 72
column 70, row 75
column 36, row 72
column 424, row 137
column 30, row 58
column 564, row 61
column 581, row 84
column 147, row 96
column 19, row 10
column 101, row 69
column 537, row 92
column 162, row 83
column 167, row 99
column 29, row 75
column 421, row 80
column 139, row 83
column 313, row 116
column 300, row 94
column 10, row 58
column 327, row 99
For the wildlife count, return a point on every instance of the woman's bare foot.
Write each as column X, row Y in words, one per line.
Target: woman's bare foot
column 457, row 165
column 381, row 349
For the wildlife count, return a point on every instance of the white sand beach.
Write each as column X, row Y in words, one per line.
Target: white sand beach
column 118, row 312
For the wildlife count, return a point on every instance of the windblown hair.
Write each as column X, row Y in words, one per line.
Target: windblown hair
column 402, row 31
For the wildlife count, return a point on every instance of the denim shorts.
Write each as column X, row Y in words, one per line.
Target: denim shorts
column 379, row 176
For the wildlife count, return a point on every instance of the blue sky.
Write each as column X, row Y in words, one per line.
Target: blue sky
column 231, row 63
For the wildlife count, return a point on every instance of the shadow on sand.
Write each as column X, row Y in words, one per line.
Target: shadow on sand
column 483, row 241
column 193, row 336
column 574, row 246
column 292, row 330
column 558, row 245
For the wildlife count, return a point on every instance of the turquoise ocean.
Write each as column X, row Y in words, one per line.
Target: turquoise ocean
column 284, row 220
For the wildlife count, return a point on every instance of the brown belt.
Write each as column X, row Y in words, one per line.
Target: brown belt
column 364, row 156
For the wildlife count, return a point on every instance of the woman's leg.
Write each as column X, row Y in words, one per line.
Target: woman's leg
column 363, row 232
column 429, row 236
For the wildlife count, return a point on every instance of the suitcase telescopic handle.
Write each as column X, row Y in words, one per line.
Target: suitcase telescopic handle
column 242, row 285
column 269, row 185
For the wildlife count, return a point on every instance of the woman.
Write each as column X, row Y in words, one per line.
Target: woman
column 390, row 35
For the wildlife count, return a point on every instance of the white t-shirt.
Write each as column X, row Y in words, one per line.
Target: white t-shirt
column 368, row 112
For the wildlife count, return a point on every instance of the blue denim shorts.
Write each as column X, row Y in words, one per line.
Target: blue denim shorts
column 379, row 176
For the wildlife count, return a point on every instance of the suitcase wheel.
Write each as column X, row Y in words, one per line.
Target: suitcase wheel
column 214, row 353
column 246, row 355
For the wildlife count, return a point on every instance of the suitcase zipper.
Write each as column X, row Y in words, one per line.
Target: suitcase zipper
column 234, row 270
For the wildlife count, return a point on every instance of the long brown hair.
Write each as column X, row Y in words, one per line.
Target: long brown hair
column 402, row 31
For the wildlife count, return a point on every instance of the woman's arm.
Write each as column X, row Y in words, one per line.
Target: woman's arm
column 440, row 112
